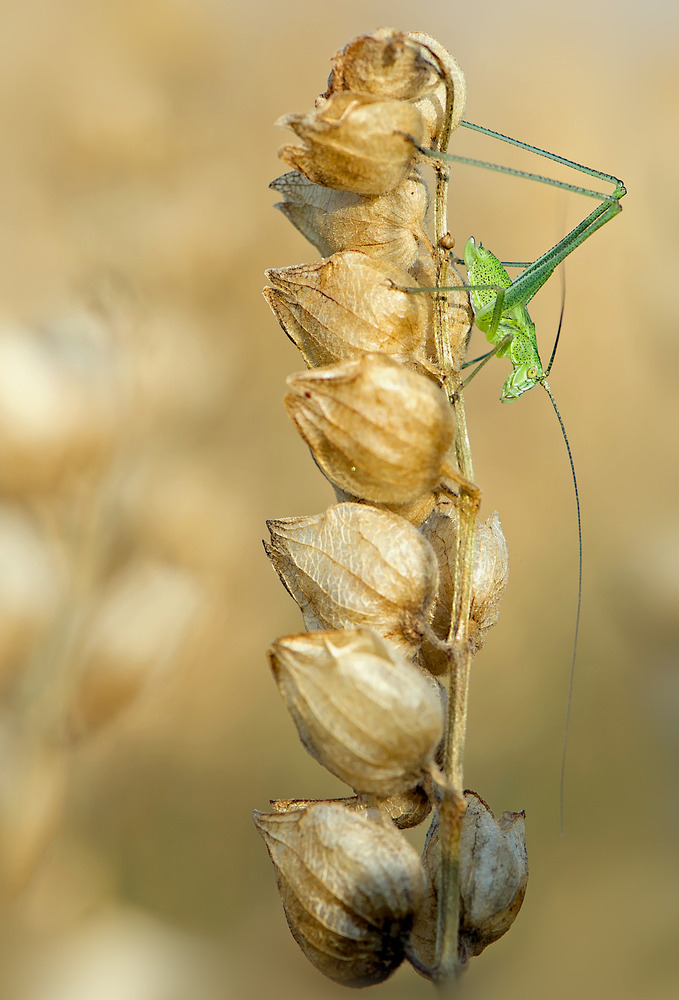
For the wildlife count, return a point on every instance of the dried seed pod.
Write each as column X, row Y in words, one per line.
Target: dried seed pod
column 377, row 430
column 406, row 809
column 349, row 304
column 349, row 884
column 134, row 631
column 389, row 227
column 355, row 565
column 361, row 709
column 493, row 873
column 355, row 142
column 386, row 63
column 409, row 66
column 490, row 574
column 493, row 880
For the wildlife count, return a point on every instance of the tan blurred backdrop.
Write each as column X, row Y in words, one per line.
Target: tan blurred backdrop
column 135, row 153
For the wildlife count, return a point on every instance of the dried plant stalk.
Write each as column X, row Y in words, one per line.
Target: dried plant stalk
column 397, row 571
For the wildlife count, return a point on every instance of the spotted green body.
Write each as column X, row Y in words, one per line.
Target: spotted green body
column 510, row 327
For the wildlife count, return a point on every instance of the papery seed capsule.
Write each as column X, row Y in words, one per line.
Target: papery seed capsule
column 355, row 565
column 409, row 66
column 349, row 304
column 389, row 227
column 387, row 63
column 349, row 884
column 133, row 634
column 361, row 709
column 377, row 430
column 493, row 873
column 355, row 142
column 493, row 879
column 490, row 575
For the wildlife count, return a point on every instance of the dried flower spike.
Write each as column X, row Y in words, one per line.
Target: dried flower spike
column 382, row 413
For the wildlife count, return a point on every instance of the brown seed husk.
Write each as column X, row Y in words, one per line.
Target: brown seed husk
column 355, row 142
column 389, row 227
column 349, row 304
column 349, row 884
column 356, row 565
column 376, row 429
column 361, row 709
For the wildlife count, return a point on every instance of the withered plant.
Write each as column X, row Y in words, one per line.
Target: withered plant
column 397, row 583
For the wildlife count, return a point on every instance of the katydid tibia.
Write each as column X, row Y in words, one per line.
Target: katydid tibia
column 500, row 311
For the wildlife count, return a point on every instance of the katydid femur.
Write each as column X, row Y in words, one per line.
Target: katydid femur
column 500, row 311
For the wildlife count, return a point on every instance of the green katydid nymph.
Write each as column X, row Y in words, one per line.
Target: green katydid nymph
column 500, row 311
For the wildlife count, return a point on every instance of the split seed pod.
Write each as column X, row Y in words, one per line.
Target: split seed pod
column 361, row 709
column 348, row 304
column 349, row 885
column 355, row 142
column 376, row 429
column 355, row 565
column 389, row 227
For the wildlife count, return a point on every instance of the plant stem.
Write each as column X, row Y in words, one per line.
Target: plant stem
column 452, row 806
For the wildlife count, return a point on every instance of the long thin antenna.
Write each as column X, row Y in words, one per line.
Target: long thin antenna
column 558, row 329
column 569, row 700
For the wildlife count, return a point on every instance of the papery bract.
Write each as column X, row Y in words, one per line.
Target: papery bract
column 349, row 304
column 356, row 565
column 355, row 142
column 377, row 430
column 361, row 709
column 349, row 886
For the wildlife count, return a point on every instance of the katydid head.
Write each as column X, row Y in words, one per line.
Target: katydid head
column 522, row 378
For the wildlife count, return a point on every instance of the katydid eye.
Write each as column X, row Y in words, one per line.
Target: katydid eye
column 532, row 372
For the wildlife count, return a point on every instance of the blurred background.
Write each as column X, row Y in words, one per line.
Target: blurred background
column 144, row 443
